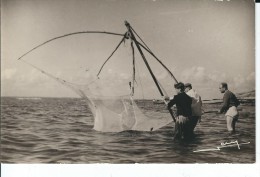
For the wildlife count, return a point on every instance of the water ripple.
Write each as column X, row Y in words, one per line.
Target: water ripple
column 59, row 130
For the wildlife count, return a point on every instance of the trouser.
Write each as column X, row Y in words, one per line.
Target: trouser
column 231, row 118
column 193, row 122
column 182, row 127
column 231, row 123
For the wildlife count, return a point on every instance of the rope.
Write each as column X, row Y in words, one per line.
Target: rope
column 140, row 84
column 61, row 81
column 56, row 78
column 165, row 93
column 123, row 39
column 143, row 57
column 159, row 62
column 140, row 38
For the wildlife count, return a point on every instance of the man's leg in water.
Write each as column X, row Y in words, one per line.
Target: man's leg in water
column 230, row 124
column 234, row 123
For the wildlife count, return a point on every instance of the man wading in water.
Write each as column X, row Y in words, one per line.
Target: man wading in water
column 183, row 105
column 195, row 106
column 230, row 103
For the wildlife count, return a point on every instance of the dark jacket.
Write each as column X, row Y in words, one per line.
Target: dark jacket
column 183, row 104
column 229, row 100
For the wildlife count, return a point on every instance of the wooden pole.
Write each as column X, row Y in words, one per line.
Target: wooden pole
column 147, row 65
column 145, row 61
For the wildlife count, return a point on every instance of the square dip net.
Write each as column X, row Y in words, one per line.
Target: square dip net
column 115, row 94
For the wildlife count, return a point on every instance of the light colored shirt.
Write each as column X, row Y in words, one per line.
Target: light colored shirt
column 196, row 102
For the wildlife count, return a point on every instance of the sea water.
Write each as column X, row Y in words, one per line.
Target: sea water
column 60, row 130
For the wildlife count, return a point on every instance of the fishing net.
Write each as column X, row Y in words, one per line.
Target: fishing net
column 114, row 95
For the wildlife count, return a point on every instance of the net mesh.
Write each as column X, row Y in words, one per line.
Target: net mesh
column 119, row 113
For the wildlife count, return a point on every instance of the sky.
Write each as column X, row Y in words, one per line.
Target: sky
column 203, row 42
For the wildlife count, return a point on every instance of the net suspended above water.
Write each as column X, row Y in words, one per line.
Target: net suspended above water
column 113, row 101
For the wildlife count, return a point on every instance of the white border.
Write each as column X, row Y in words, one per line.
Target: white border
column 151, row 170
column 135, row 170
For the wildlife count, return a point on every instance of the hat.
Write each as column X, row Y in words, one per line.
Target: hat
column 187, row 85
column 179, row 85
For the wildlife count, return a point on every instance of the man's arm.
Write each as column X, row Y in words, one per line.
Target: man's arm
column 237, row 102
column 200, row 101
column 225, row 103
column 169, row 105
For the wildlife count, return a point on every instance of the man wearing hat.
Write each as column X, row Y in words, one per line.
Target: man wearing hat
column 195, row 106
column 183, row 105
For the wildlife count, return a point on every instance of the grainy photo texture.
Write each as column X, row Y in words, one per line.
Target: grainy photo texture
column 124, row 82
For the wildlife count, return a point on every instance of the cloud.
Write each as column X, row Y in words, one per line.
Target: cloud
column 217, row 76
column 244, row 83
column 162, row 75
column 251, row 77
column 198, row 74
column 238, row 81
column 207, row 81
column 8, row 73
column 195, row 74
column 113, row 82
column 32, row 78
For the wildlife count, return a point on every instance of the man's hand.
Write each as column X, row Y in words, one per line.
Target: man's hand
column 166, row 98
